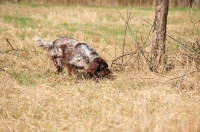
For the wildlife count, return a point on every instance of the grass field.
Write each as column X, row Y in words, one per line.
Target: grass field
column 34, row 98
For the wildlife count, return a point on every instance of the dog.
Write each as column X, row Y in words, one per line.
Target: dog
column 67, row 52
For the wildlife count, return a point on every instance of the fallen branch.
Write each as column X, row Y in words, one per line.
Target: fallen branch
column 180, row 76
column 19, row 50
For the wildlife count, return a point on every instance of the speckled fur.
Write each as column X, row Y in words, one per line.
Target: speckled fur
column 74, row 55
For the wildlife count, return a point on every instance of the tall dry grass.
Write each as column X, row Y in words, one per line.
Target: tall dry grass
column 34, row 98
column 172, row 3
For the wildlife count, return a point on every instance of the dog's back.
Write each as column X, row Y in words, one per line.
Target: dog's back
column 82, row 55
column 58, row 47
column 69, row 42
column 63, row 46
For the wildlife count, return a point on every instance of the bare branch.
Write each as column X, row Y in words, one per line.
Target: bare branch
column 10, row 44
column 122, row 56
column 126, row 31
column 130, row 31
column 19, row 50
column 180, row 76
column 149, row 33
column 170, row 36
column 138, row 44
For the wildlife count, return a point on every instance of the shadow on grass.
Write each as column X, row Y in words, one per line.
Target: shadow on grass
column 85, row 76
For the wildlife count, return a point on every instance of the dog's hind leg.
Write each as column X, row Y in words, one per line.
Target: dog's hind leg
column 58, row 63
column 71, row 68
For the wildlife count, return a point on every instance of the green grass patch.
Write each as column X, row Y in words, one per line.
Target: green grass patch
column 19, row 21
column 98, row 31
column 143, row 8
column 95, row 30
column 183, row 9
column 71, row 27
column 25, row 79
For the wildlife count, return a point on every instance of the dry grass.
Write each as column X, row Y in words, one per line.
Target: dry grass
column 34, row 98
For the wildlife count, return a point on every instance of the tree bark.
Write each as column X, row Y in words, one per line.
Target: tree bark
column 158, row 57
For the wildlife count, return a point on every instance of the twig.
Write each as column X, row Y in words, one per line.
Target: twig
column 178, row 41
column 128, row 59
column 18, row 50
column 13, row 49
column 170, row 36
column 180, row 76
column 130, row 31
column 147, row 61
column 126, row 31
column 4, row 70
column 10, row 44
column 116, row 46
column 122, row 56
column 149, row 33
column 105, row 49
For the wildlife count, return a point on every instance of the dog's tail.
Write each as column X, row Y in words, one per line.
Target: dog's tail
column 43, row 43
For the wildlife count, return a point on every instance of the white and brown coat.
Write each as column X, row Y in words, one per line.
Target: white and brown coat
column 68, row 52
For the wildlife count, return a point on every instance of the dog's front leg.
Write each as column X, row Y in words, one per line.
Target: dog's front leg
column 94, row 76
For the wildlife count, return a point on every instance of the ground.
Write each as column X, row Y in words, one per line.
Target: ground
column 34, row 98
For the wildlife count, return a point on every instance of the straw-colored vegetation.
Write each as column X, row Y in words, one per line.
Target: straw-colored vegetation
column 34, row 98
column 172, row 3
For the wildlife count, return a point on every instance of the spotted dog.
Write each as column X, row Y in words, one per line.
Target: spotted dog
column 67, row 52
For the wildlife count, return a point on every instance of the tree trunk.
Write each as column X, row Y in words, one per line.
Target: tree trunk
column 197, row 3
column 158, row 57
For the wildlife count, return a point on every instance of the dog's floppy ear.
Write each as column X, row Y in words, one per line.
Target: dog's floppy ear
column 102, row 64
column 93, row 66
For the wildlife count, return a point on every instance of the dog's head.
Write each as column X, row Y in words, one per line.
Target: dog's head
column 102, row 67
